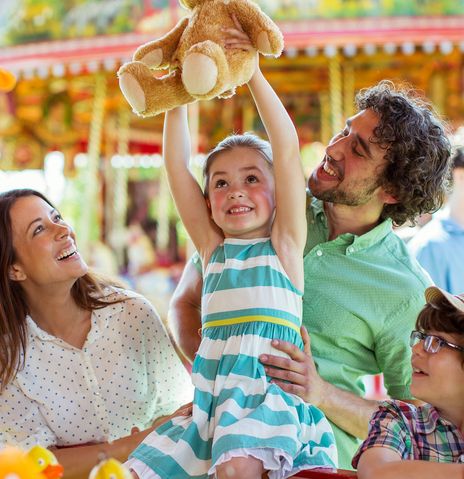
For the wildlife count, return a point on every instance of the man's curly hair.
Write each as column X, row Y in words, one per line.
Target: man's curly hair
column 417, row 151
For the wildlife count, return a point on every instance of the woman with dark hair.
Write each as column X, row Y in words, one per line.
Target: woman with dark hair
column 82, row 361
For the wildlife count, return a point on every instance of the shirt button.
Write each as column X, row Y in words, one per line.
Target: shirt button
column 319, row 252
column 349, row 249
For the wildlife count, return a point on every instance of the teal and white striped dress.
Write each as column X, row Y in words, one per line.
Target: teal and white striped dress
column 248, row 300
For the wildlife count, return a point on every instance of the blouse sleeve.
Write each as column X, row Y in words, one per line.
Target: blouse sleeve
column 21, row 423
column 172, row 382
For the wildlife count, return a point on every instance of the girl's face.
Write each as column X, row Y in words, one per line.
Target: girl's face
column 438, row 378
column 45, row 245
column 241, row 193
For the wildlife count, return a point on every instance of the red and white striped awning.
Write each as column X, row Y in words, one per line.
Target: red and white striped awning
column 312, row 37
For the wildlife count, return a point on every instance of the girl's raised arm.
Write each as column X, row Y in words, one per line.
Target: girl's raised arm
column 185, row 189
column 289, row 227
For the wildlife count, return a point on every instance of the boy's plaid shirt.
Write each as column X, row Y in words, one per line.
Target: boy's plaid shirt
column 414, row 432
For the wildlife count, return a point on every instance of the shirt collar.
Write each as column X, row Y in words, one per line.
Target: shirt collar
column 427, row 418
column 99, row 318
column 375, row 235
column 36, row 331
column 451, row 226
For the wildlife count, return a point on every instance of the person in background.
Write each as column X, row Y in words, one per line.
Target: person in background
column 424, row 442
column 85, row 366
column 363, row 290
column 439, row 245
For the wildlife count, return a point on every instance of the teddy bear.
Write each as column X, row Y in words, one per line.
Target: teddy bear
column 200, row 68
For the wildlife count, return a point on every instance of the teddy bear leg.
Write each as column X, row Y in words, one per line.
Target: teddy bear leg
column 130, row 76
column 149, row 96
column 204, row 70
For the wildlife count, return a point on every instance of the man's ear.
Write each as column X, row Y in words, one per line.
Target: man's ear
column 15, row 273
column 388, row 198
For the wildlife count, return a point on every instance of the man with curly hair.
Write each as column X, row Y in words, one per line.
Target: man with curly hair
column 363, row 291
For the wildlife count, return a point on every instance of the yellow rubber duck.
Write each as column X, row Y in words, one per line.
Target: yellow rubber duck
column 15, row 463
column 110, row 469
column 46, row 462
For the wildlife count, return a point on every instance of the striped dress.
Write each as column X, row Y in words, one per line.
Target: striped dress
column 247, row 301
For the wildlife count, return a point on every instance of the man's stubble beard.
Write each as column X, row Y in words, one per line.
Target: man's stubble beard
column 342, row 197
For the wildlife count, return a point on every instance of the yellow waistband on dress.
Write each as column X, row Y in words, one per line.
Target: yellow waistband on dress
column 251, row 319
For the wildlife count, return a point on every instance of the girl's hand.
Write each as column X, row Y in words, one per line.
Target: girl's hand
column 184, row 410
column 237, row 38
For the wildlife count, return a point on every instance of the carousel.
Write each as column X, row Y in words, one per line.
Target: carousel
column 65, row 56
column 66, row 111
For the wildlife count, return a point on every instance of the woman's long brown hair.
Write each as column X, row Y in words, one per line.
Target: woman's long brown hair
column 87, row 292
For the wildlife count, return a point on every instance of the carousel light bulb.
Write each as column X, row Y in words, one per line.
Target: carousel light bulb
column 330, row 51
column 349, row 50
column 446, row 47
column 428, row 47
column 369, row 48
column 408, row 48
column 389, row 48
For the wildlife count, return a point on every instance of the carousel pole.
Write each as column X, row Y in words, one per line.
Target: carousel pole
column 90, row 222
column 163, row 212
column 438, row 91
column 120, row 186
column 348, row 93
column 248, row 116
column 326, row 131
column 336, row 94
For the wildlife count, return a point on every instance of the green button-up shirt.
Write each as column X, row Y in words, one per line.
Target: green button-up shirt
column 361, row 300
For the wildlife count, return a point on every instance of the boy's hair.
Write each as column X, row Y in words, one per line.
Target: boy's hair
column 416, row 147
column 247, row 140
column 441, row 316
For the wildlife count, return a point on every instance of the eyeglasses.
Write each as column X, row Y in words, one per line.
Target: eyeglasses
column 432, row 344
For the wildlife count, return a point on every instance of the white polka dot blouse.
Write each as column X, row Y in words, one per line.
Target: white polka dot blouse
column 127, row 374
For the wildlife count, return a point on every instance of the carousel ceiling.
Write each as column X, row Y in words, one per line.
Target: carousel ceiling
column 57, row 48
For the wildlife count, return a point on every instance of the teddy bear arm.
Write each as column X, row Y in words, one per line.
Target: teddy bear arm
column 263, row 32
column 158, row 53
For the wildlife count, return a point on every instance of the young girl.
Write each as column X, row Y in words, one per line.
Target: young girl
column 417, row 442
column 249, row 229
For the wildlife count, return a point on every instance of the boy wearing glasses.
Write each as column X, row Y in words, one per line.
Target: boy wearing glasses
column 409, row 441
